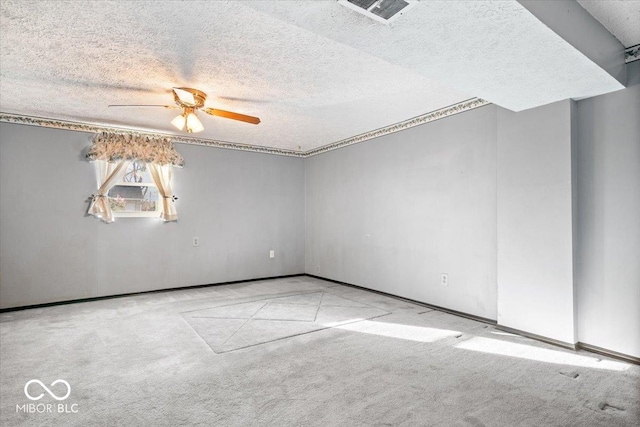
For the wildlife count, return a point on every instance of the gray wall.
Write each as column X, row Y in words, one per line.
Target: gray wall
column 239, row 204
column 389, row 214
column 395, row 212
column 534, row 221
column 608, row 261
column 553, row 193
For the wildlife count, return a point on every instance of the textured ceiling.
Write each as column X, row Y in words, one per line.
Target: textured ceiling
column 315, row 72
column 495, row 50
column 621, row 18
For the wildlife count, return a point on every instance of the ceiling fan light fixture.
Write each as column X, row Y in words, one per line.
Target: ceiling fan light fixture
column 189, row 100
column 193, row 123
column 179, row 121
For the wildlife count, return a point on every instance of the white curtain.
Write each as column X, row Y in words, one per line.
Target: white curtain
column 162, row 175
column 108, row 175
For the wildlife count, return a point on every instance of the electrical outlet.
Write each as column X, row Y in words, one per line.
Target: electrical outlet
column 272, row 253
column 444, row 279
column 196, row 241
column 317, row 269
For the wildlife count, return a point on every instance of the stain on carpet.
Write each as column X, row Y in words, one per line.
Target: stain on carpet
column 571, row 374
column 473, row 421
column 604, row 406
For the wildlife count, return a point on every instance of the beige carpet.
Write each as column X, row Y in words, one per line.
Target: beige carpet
column 290, row 352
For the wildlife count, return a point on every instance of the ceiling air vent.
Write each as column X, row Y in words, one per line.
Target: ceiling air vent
column 384, row 11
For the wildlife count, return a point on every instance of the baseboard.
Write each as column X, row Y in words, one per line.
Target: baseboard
column 574, row 347
column 75, row 301
column 424, row 304
column 609, row 353
column 579, row 345
column 537, row 337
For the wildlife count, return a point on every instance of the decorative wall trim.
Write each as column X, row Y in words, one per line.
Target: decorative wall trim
column 632, row 53
column 93, row 128
column 236, row 146
column 451, row 110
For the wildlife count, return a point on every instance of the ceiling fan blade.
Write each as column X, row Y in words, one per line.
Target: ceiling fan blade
column 184, row 96
column 172, row 107
column 233, row 99
column 232, row 115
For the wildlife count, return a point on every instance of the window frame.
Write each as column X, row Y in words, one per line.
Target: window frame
column 139, row 214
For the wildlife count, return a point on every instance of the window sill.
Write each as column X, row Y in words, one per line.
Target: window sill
column 136, row 214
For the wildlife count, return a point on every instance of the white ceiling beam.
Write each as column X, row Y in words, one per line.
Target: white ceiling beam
column 576, row 26
column 496, row 50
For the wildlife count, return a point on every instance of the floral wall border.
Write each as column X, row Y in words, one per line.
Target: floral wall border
column 86, row 127
column 451, row 110
column 92, row 128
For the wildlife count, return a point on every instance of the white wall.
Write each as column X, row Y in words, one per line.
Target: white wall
column 608, row 262
column 393, row 213
column 488, row 196
column 534, row 221
column 239, row 204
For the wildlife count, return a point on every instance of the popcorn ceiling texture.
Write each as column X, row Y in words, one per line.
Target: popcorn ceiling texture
column 494, row 50
column 60, row 60
column 314, row 72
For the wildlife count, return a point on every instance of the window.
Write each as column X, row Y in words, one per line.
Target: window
column 136, row 195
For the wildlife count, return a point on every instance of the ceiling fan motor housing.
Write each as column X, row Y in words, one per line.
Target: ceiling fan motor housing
column 198, row 96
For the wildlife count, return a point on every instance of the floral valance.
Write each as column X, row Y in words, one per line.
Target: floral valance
column 114, row 147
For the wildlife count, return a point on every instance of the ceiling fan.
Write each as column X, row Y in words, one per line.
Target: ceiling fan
column 190, row 100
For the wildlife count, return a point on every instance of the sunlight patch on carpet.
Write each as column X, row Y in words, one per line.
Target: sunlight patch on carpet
column 523, row 351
